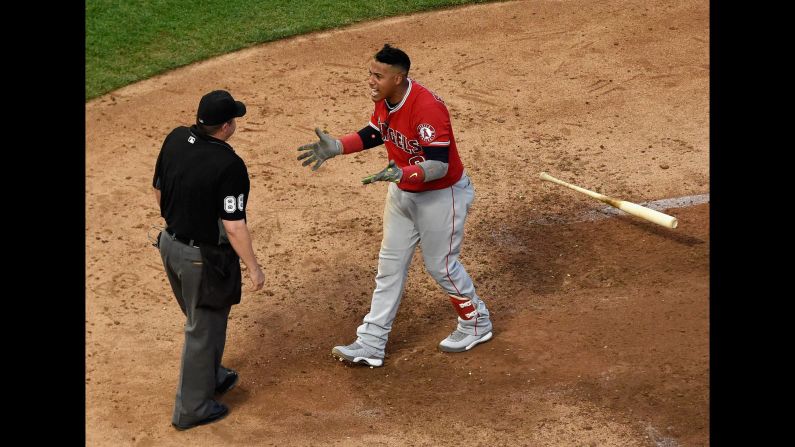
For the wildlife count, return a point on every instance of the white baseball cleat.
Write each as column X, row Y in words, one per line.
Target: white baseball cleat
column 356, row 353
column 460, row 342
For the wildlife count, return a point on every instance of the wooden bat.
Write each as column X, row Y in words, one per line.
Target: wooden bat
column 629, row 207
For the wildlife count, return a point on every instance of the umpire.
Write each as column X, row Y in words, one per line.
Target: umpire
column 202, row 189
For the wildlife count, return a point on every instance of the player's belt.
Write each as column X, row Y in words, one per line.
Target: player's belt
column 184, row 240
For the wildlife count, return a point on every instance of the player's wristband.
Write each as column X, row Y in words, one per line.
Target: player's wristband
column 351, row 143
column 413, row 175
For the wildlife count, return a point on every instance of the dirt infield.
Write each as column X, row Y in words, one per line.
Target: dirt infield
column 601, row 326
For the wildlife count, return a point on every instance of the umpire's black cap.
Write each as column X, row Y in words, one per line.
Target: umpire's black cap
column 218, row 107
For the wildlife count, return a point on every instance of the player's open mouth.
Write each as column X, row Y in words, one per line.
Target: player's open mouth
column 373, row 92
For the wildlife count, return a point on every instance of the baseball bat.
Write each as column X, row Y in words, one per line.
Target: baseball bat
column 629, row 207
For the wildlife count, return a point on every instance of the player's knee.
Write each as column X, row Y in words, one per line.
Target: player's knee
column 391, row 262
column 386, row 270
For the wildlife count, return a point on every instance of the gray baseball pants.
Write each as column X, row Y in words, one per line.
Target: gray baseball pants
column 205, row 334
column 434, row 219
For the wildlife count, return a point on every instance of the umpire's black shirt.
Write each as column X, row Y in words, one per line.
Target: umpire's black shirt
column 200, row 179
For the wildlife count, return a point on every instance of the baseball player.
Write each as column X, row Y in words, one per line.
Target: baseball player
column 427, row 201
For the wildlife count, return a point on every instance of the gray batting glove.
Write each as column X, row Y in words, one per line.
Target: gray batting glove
column 391, row 173
column 321, row 151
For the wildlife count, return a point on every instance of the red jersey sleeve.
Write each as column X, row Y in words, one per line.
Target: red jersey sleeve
column 432, row 123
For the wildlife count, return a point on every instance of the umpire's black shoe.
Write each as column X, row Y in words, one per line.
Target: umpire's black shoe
column 228, row 383
column 220, row 412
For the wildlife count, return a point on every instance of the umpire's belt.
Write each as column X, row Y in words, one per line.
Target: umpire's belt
column 184, row 240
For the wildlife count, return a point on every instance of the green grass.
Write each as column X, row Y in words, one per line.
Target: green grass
column 127, row 41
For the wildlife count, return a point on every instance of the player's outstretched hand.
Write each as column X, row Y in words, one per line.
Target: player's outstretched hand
column 320, row 151
column 391, row 173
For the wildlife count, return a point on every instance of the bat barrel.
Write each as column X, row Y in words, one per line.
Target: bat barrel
column 628, row 207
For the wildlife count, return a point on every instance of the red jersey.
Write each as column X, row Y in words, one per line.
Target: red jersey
column 420, row 119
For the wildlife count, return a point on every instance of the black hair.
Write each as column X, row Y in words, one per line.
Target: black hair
column 393, row 56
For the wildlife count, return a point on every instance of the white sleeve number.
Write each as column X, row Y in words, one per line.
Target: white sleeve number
column 231, row 205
